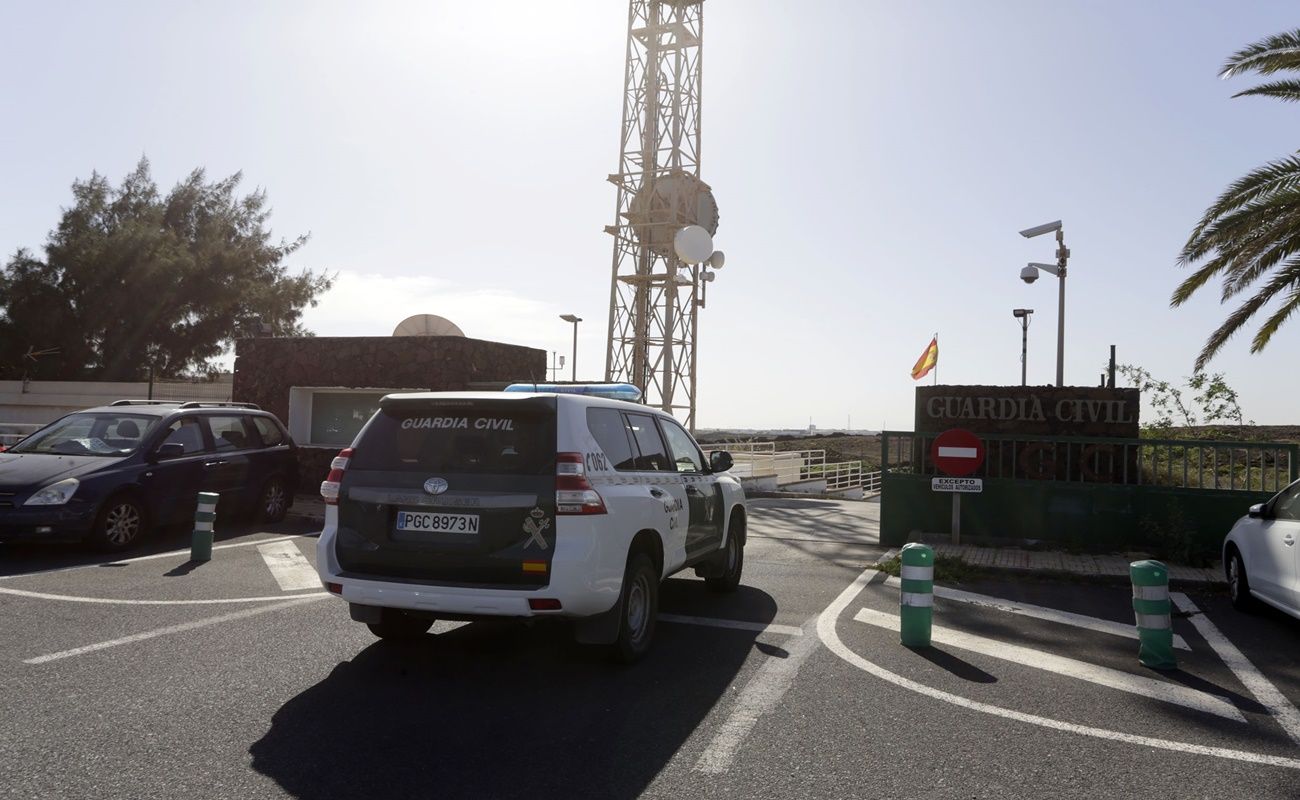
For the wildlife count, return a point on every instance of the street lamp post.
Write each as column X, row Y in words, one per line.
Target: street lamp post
column 1023, row 315
column 575, row 320
column 1030, row 274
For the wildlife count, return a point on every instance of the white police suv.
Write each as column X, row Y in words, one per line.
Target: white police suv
column 526, row 503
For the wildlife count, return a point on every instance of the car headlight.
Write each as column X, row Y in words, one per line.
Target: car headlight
column 56, row 494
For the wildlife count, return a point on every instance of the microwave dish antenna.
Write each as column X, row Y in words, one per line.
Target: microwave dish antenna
column 427, row 325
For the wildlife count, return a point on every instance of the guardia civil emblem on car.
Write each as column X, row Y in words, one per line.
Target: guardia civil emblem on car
column 435, row 485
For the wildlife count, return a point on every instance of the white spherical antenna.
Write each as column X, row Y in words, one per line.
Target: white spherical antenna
column 717, row 259
column 693, row 244
column 427, row 325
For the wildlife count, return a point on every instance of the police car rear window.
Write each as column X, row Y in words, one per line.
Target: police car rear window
column 493, row 439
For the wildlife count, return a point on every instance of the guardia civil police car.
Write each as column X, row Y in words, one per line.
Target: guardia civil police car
column 537, row 501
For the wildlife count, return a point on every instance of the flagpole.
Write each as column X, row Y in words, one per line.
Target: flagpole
column 936, row 359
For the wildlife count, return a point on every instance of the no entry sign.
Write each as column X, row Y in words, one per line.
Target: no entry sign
column 957, row 452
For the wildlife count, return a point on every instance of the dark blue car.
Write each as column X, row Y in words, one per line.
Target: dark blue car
column 109, row 475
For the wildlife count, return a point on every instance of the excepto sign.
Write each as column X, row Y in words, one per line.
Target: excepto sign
column 959, row 485
column 957, row 452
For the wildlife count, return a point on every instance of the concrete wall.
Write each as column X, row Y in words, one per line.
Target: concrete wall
column 39, row 402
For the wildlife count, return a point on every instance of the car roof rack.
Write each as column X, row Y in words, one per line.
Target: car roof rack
column 145, row 403
column 213, row 404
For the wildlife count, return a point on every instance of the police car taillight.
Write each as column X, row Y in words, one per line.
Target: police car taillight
column 574, row 494
column 329, row 488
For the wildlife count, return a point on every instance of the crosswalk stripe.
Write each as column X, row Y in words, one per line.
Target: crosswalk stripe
column 1069, row 667
column 289, row 566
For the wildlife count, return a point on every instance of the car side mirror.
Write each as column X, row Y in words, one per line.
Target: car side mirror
column 169, row 450
column 720, row 461
column 1256, row 511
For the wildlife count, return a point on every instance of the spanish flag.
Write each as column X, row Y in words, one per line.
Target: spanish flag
column 928, row 360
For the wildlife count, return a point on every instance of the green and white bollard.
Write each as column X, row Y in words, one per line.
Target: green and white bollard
column 916, row 601
column 1151, row 607
column 201, row 544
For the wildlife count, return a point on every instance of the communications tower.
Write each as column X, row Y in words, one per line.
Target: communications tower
column 660, row 272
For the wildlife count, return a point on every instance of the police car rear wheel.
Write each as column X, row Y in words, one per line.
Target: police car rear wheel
column 733, row 560
column 639, row 606
column 396, row 626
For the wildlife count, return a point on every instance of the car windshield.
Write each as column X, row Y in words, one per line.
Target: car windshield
column 104, row 434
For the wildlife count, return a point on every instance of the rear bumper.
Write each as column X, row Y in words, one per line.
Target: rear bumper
column 586, row 577
column 66, row 523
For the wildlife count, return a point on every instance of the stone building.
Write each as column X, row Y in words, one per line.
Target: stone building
column 324, row 388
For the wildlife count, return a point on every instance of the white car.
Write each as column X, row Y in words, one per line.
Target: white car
column 463, row 506
column 1260, row 554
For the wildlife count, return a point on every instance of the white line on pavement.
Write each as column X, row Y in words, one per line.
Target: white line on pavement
column 168, row 554
column 762, row 694
column 112, row 601
column 1263, row 690
column 831, row 638
column 289, row 566
column 1127, row 630
column 183, row 627
column 1069, row 667
column 785, row 630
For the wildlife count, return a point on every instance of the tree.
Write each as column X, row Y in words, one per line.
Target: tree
column 1252, row 231
column 133, row 280
column 1212, row 399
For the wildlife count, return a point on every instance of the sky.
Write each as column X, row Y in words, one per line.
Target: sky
column 872, row 162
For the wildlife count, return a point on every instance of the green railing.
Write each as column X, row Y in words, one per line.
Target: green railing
column 1174, row 463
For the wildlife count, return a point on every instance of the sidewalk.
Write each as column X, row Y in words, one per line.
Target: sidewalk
column 1014, row 559
column 307, row 508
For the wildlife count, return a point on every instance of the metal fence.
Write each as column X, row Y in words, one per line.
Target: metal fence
column 14, row 432
column 762, row 459
column 1185, row 464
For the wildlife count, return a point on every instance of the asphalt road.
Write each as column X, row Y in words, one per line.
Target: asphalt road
column 154, row 677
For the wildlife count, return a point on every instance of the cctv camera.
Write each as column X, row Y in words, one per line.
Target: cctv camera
column 1039, row 230
column 1029, row 274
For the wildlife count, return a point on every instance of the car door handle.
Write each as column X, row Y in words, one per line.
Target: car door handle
column 656, row 492
column 1288, row 540
column 213, row 463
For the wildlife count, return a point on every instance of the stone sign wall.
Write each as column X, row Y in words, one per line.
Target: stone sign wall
column 1029, row 410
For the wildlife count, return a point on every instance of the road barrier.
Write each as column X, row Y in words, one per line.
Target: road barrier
column 204, row 517
column 916, row 600
column 1151, row 608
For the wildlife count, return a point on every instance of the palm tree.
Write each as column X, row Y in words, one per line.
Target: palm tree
column 1252, row 232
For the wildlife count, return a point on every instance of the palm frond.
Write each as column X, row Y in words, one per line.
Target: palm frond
column 1289, row 274
column 1274, row 322
column 1267, row 56
column 1288, row 91
column 1275, row 177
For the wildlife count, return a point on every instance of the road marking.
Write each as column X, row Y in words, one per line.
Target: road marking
column 289, row 566
column 168, row 554
column 1263, row 690
column 112, row 601
column 182, row 628
column 831, row 638
column 760, row 696
column 1069, row 667
column 785, row 630
column 1127, row 630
